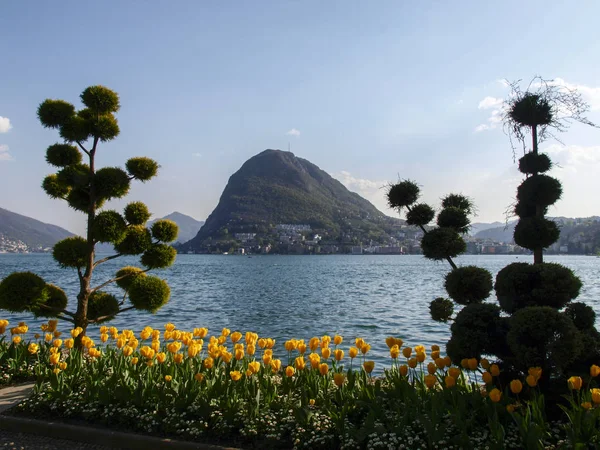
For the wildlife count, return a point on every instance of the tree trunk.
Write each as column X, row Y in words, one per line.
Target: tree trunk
column 538, row 253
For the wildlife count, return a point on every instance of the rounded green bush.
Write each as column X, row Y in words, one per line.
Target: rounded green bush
column 71, row 252
column 159, row 256
column 474, row 331
column 136, row 213
column 62, row 155
column 102, row 304
column 533, row 163
column 55, row 297
column 582, row 315
column 75, row 175
column 441, row 309
column 531, row 110
column 455, row 218
column 100, row 99
column 523, row 210
column 130, row 273
column 149, row 293
column 520, row 285
column 420, row 215
column 54, row 188
column 75, row 129
column 440, row 243
column 541, row 336
column 403, row 194
column 54, row 113
column 105, row 128
column 111, row 182
column 164, row 230
column 536, row 232
column 541, row 190
column 22, row 291
column 109, row 226
column 458, row 201
column 79, row 199
column 141, row 168
column 469, row 284
column 136, row 241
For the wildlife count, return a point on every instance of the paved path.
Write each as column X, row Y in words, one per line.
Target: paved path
column 20, row 441
column 10, row 396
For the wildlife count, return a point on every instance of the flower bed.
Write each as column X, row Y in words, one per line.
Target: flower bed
column 245, row 390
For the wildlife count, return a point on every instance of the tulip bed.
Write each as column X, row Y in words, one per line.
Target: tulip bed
column 244, row 390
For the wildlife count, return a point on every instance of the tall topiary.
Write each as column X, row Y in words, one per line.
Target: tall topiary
column 536, row 322
column 87, row 188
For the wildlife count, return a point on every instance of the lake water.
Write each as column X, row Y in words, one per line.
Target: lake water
column 299, row 296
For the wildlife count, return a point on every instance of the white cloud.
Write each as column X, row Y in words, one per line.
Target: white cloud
column 360, row 184
column 573, row 157
column 591, row 95
column 490, row 102
column 4, row 155
column 5, row 124
column 293, row 132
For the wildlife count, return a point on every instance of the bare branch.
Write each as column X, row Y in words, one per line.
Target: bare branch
column 103, row 260
column 83, row 148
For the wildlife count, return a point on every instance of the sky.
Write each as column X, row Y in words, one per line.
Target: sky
column 370, row 92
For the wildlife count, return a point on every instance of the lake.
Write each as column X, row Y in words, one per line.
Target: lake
column 299, row 296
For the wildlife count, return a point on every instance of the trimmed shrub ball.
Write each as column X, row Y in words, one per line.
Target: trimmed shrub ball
column 441, row 309
column 535, row 232
column 469, row 284
column 403, row 194
column 582, row 315
column 533, row 163
column 440, row 243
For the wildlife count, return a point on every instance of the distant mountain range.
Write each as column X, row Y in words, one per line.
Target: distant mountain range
column 22, row 233
column 276, row 187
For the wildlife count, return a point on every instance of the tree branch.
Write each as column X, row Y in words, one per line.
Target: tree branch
column 57, row 310
column 103, row 260
column 97, row 288
column 111, row 315
column 83, row 148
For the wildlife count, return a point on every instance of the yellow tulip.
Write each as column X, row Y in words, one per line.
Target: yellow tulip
column 226, row 356
column 390, row 341
column 178, row 358
column 57, row 343
column 487, row 377
column 449, row 381
column 300, row 363
column 225, row 332
column 326, row 352
column 235, row 375
column 325, row 341
column 586, row 405
column 267, row 357
column 575, row 383
column 338, row 379
column 199, row 377
column 435, row 348
column 127, row 350
column 531, row 381
column 193, row 350
column 168, row 378
column 57, row 334
column 352, row 352
column 275, row 365
column 596, row 396
column 289, row 371
column 394, row 351
column 535, row 372
column 472, row 363
column 251, row 349
column 103, row 337
column 365, row 348
column 249, row 373
column 359, row 342
column 69, row 343
column 485, row 363
column 431, row 368
column 134, row 360
column 56, row 371
column 270, row 343
column 236, row 336
column 48, row 337
column 440, row 363
column 407, row 351
column 160, row 357
column 435, row 354
column 464, row 363
column 16, row 339
column 516, row 386
column 447, row 361
column 421, row 356
column 323, row 369
column 403, row 370
column 290, row 345
column 412, row 363
column 594, row 371
column 254, row 366
column 262, row 343
column 302, row 348
column 369, row 366
column 208, row 362
column 76, row 332
column 495, row 370
column 430, row 381
column 338, row 354
column 454, row 372
column 155, row 345
column 94, row 352
column 495, row 395
column 62, row 365
column 33, row 348
column 510, row 408
column 311, row 402
column 337, row 339
column 419, row 349
column 239, row 354
column 169, row 327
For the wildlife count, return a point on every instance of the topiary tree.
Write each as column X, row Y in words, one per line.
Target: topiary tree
column 536, row 322
column 87, row 188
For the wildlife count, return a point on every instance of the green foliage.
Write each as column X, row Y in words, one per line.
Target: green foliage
column 541, row 336
column 130, row 273
column 441, row 309
column 75, row 129
column 582, row 315
column 533, row 163
column 469, row 284
column 111, row 182
column 440, row 243
column 523, row 209
column 531, row 110
column 109, row 226
column 536, row 232
column 136, row 241
column 459, row 201
column 54, row 188
column 520, row 285
column 71, row 252
column 164, row 230
column 136, row 213
column 102, row 304
column 79, row 199
column 22, row 291
column 474, row 332
column 54, row 113
column 141, row 168
column 104, row 127
column 62, row 155
column 403, row 194
column 54, row 297
column 455, row 218
column 541, row 190
column 100, row 99
column 149, row 293
column 420, row 215
column 75, row 175
column 159, row 256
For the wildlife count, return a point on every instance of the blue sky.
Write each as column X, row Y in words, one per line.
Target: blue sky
column 373, row 91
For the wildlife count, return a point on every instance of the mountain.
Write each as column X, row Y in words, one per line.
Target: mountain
column 188, row 226
column 22, row 233
column 478, row 226
column 276, row 187
column 501, row 233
